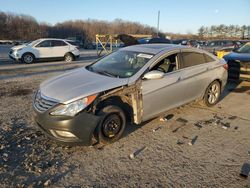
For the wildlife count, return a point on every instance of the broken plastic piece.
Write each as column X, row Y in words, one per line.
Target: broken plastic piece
column 156, row 129
column 245, row 169
column 232, row 117
column 167, row 117
column 182, row 120
column 133, row 155
column 180, row 142
column 193, row 141
column 225, row 125
column 198, row 124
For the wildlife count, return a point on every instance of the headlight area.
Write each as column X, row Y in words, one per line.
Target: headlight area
column 73, row 108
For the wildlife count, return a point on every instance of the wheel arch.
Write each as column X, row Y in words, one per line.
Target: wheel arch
column 28, row 53
column 218, row 80
column 116, row 101
column 70, row 54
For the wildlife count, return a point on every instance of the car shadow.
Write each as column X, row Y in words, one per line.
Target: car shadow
column 231, row 86
column 130, row 128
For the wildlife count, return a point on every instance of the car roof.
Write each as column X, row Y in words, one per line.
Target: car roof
column 51, row 39
column 153, row 48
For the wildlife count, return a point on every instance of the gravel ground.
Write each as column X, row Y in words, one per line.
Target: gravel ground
column 165, row 155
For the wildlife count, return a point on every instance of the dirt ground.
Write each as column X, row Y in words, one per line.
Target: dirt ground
column 220, row 146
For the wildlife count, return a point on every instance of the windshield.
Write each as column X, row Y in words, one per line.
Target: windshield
column 121, row 64
column 33, row 42
column 244, row 49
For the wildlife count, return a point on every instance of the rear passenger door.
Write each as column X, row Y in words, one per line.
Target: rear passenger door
column 60, row 48
column 194, row 68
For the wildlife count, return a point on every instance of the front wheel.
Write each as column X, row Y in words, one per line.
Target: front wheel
column 212, row 94
column 112, row 125
column 28, row 58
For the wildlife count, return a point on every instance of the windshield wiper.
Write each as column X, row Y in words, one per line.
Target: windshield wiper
column 109, row 74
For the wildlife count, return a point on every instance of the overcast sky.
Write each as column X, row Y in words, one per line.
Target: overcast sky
column 180, row 16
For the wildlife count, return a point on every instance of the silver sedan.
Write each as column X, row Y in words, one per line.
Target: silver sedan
column 133, row 84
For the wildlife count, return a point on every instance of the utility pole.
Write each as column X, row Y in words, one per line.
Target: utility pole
column 158, row 22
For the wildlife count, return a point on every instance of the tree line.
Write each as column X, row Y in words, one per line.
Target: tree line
column 224, row 31
column 24, row 27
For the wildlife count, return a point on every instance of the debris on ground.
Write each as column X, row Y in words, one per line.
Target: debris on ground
column 182, row 120
column 176, row 129
column 198, row 124
column 216, row 120
column 236, row 128
column 157, row 128
column 232, row 117
column 245, row 169
column 167, row 117
column 248, row 152
column 185, row 137
column 180, row 142
column 137, row 152
column 225, row 125
column 47, row 183
column 193, row 141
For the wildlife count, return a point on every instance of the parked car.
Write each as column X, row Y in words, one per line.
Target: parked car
column 129, row 40
column 239, row 63
column 132, row 84
column 216, row 45
column 49, row 49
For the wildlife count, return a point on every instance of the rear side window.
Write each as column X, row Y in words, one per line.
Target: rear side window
column 208, row 58
column 192, row 59
column 56, row 43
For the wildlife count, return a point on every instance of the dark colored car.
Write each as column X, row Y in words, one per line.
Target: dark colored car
column 239, row 63
column 214, row 46
column 130, row 40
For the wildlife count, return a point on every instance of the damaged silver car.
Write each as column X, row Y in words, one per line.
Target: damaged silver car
column 134, row 84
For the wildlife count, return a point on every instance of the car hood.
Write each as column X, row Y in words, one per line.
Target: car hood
column 18, row 47
column 77, row 84
column 237, row 56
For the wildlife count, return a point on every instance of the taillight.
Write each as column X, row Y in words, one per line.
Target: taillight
column 225, row 66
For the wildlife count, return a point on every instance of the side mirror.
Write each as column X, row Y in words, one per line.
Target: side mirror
column 152, row 75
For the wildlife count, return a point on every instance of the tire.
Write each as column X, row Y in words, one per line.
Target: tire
column 212, row 94
column 112, row 124
column 28, row 58
column 68, row 58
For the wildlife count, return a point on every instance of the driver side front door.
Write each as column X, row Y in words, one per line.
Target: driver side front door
column 163, row 94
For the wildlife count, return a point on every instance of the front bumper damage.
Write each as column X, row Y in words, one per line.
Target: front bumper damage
column 81, row 127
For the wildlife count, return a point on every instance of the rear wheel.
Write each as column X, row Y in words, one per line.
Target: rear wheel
column 212, row 94
column 69, row 57
column 28, row 58
column 112, row 125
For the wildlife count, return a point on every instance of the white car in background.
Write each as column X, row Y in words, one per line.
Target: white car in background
column 44, row 49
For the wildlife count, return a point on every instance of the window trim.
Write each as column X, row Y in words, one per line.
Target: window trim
column 59, row 41
column 43, row 46
column 178, row 52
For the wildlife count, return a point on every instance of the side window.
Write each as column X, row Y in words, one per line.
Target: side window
column 56, row 43
column 46, row 43
column 168, row 64
column 208, row 58
column 192, row 59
